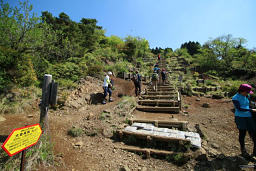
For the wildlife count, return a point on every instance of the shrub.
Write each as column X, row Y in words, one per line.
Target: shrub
column 196, row 74
column 231, row 87
column 25, row 73
column 67, row 70
column 4, row 80
column 95, row 70
column 75, row 132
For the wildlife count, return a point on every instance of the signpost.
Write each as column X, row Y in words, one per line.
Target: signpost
column 20, row 139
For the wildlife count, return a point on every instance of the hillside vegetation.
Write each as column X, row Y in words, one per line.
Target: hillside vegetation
column 31, row 46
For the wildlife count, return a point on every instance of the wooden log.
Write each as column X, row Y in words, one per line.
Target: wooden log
column 147, row 151
column 46, row 90
column 159, row 102
column 158, row 109
column 159, row 96
column 149, row 92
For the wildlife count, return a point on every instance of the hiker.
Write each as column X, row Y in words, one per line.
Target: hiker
column 107, row 86
column 154, row 80
column 137, row 83
column 158, row 57
column 156, row 69
column 243, row 117
column 163, row 74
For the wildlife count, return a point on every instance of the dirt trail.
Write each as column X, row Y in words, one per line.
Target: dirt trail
column 100, row 152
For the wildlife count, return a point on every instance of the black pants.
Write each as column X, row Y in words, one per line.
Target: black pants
column 242, row 133
column 137, row 88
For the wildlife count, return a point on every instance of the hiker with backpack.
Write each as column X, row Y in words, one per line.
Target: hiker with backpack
column 156, row 69
column 137, row 83
column 163, row 75
column 107, row 87
column 154, row 80
column 243, row 117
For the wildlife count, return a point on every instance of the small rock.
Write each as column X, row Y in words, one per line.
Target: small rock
column 202, row 94
column 213, row 152
column 206, row 105
column 87, row 97
column 198, row 99
column 106, row 111
column 89, row 117
column 124, row 168
column 144, row 169
column 208, row 96
column 217, row 96
column 2, row 118
column 79, row 144
column 216, row 146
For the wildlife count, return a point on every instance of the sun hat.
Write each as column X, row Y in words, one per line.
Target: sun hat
column 246, row 87
column 109, row 73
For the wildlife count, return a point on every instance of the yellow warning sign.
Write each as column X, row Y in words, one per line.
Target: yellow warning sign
column 22, row 138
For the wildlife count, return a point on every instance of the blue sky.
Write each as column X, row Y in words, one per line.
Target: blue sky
column 164, row 23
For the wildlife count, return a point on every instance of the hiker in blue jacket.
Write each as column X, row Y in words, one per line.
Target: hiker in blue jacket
column 243, row 117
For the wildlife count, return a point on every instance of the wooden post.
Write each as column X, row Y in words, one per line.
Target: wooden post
column 23, row 160
column 46, row 90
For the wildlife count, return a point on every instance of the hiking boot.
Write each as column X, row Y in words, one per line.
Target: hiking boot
column 245, row 154
column 104, row 102
column 110, row 100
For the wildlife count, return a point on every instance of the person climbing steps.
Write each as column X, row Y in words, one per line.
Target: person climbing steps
column 137, row 83
column 154, row 80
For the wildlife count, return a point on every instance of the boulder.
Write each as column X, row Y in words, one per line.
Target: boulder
column 206, row 105
column 217, row 96
column 124, row 168
column 214, row 145
column 2, row 118
column 201, row 155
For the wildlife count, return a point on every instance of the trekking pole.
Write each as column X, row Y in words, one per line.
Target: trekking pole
column 248, row 166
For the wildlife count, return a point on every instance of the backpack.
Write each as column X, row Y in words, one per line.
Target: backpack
column 154, row 77
column 163, row 73
column 136, row 78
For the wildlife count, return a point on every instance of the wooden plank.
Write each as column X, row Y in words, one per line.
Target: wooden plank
column 148, row 151
column 159, row 102
column 160, row 92
column 161, row 89
column 158, row 109
column 159, row 96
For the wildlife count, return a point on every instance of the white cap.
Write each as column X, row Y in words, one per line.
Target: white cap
column 109, row 73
